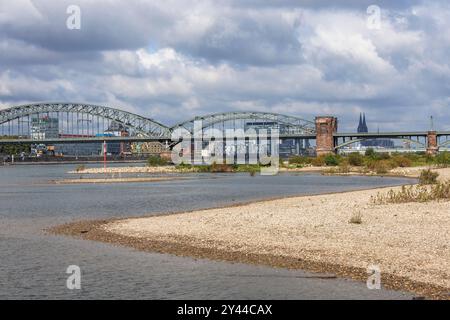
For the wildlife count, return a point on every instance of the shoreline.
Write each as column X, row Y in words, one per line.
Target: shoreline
column 95, row 231
column 405, row 172
column 136, row 232
column 117, row 180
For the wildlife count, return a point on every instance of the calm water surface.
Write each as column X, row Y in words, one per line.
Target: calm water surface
column 33, row 264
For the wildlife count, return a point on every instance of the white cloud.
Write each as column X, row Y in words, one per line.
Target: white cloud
column 171, row 60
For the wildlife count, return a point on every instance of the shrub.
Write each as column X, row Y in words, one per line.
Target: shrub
column 331, row 160
column 344, row 166
column 80, row 167
column 355, row 159
column 417, row 193
column 382, row 166
column 301, row 160
column 221, row 167
column 246, row 167
column 370, row 153
column 442, row 159
column 428, row 177
column 154, row 161
column 183, row 166
column 356, row 218
column 401, row 161
column 382, row 156
column 318, row 161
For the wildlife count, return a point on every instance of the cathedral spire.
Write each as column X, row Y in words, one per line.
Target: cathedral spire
column 360, row 123
column 364, row 125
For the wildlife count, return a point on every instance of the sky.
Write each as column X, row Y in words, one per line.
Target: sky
column 174, row 59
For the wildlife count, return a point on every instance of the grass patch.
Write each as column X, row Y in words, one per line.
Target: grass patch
column 156, row 161
column 428, row 177
column 356, row 218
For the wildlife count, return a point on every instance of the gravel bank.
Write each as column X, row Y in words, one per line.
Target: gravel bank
column 113, row 170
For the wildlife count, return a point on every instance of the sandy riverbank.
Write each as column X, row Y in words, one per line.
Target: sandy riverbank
column 116, row 180
column 169, row 169
column 117, row 170
column 412, row 172
column 409, row 242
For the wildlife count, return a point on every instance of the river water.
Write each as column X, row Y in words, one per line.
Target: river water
column 33, row 264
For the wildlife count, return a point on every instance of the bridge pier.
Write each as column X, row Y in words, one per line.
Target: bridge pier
column 432, row 145
column 325, row 141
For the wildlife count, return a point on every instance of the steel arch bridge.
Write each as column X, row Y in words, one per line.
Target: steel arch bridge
column 140, row 126
column 288, row 125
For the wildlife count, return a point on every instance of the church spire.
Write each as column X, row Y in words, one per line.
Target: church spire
column 364, row 125
column 360, row 123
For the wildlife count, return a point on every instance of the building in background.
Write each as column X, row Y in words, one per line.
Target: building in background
column 372, row 143
column 96, row 149
column 44, row 127
column 116, row 129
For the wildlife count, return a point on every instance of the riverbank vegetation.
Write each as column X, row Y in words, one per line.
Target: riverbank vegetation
column 416, row 193
column 371, row 161
column 13, row 149
column 215, row 167
column 156, row 161
column 428, row 189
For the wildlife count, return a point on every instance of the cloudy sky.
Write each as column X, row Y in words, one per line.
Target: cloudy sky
column 173, row 59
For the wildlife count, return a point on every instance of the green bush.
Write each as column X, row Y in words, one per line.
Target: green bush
column 183, row 166
column 370, row 153
column 355, row 159
column 331, row 160
column 154, row 161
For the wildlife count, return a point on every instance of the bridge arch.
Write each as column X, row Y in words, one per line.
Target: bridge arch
column 286, row 124
column 444, row 144
column 140, row 125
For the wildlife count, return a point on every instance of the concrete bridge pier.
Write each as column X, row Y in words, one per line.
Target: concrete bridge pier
column 325, row 141
column 432, row 145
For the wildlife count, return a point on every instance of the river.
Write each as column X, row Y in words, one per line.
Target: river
column 33, row 264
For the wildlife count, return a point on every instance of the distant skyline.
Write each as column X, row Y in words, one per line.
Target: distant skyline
column 171, row 60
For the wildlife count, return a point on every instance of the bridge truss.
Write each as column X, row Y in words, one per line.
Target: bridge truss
column 76, row 120
column 287, row 125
